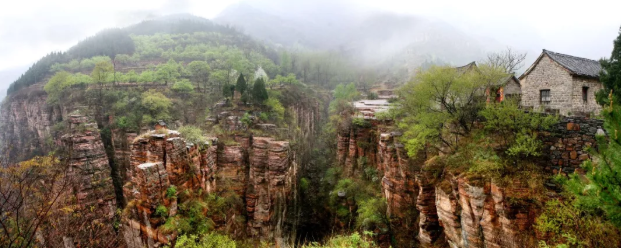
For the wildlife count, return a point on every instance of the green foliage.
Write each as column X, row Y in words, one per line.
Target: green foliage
column 161, row 211
column 360, row 122
column 192, row 134
column 280, row 80
column 355, row 240
column 610, row 75
column 246, row 119
column 209, row 240
column 183, row 86
column 157, row 106
column 259, row 93
column 346, row 92
column 199, row 71
column 171, row 192
column 441, row 104
column 102, row 71
column 241, row 84
column 276, row 110
column 228, row 90
column 372, row 96
column 515, row 130
column 263, row 116
column 304, row 184
column 563, row 225
column 168, row 72
column 372, row 214
column 56, row 85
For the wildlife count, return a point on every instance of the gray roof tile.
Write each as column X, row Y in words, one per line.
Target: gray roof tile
column 578, row 66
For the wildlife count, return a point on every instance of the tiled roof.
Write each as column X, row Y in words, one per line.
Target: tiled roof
column 578, row 66
column 465, row 68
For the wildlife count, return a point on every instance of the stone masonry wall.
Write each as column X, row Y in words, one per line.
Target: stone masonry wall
column 579, row 106
column 566, row 145
column 548, row 75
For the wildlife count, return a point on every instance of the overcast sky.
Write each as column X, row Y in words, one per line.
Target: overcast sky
column 30, row 29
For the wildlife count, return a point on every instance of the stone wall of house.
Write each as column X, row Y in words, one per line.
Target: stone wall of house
column 579, row 106
column 512, row 88
column 548, row 75
column 566, row 145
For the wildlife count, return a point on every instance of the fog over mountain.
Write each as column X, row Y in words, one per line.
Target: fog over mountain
column 373, row 36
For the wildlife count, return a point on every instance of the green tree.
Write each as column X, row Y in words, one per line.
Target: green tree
column 611, row 73
column 600, row 191
column 168, row 72
column 259, row 93
column 200, row 72
column 184, row 86
column 102, row 71
column 156, row 105
column 441, row 105
column 241, row 84
column 228, row 90
column 515, row 130
column 131, row 76
column 56, row 86
column 146, row 77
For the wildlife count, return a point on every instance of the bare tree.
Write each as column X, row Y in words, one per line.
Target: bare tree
column 508, row 60
column 29, row 195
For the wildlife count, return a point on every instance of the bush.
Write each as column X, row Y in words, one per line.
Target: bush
column 563, row 225
column 354, row 240
column 360, row 122
column 161, row 211
column 210, row 240
column 171, row 192
column 304, row 184
column 193, row 134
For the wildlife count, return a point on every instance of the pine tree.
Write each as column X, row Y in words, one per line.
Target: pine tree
column 611, row 73
column 241, row 84
column 601, row 191
column 259, row 93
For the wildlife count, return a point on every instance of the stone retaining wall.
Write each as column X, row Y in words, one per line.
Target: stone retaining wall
column 567, row 145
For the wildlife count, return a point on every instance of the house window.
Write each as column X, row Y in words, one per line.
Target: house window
column 585, row 94
column 545, row 96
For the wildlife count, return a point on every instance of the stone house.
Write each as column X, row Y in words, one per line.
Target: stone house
column 560, row 83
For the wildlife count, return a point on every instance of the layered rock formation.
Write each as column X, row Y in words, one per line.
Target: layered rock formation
column 91, row 197
column 259, row 170
column 25, row 125
column 485, row 215
column 430, row 207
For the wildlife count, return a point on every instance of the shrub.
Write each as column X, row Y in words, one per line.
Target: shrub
column 171, row 192
column 193, row 134
column 564, row 225
column 304, row 184
column 161, row 211
column 210, row 240
column 360, row 122
column 354, row 240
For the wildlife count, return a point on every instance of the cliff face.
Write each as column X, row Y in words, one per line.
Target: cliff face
column 90, row 203
column 259, row 170
column 424, row 209
column 26, row 122
column 483, row 214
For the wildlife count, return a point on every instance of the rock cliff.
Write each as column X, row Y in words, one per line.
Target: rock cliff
column 431, row 206
column 259, row 170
